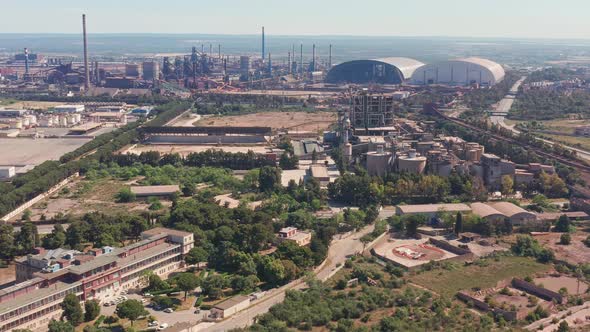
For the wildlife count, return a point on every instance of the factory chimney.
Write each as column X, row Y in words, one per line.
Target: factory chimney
column 301, row 60
column 263, row 53
column 269, row 66
column 289, row 64
column 26, row 61
column 312, row 67
column 330, row 58
column 86, row 69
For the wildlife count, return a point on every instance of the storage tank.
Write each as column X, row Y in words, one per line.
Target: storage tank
column 26, row 122
column 411, row 163
column 63, row 121
column 78, row 117
column 379, row 162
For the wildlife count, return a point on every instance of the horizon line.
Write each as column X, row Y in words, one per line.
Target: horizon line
column 299, row 35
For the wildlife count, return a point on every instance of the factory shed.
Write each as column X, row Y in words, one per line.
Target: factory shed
column 431, row 210
column 155, row 191
column 517, row 215
column 392, row 70
column 487, row 212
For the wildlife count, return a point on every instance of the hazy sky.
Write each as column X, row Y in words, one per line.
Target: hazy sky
column 478, row 18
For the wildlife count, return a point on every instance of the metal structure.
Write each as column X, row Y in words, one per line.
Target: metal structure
column 460, row 72
column 86, row 69
column 371, row 111
column 382, row 71
column 263, row 41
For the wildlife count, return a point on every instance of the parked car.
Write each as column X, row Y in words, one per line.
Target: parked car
column 106, row 304
column 168, row 310
column 153, row 324
column 198, row 311
column 163, row 326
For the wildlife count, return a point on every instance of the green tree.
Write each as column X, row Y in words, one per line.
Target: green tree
column 131, row 309
column 72, row 310
column 59, row 326
column 562, row 224
column 563, row 327
column 213, row 286
column 507, row 185
column 155, row 283
column 91, row 310
column 269, row 179
column 565, row 239
column 186, row 282
column 27, row 238
column 7, row 248
column 459, row 223
column 125, row 195
column 196, row 255
column 56, row 239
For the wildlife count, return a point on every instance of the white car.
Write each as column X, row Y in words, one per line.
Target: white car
column 153, row 324
column 163, row 326
column 168, row 310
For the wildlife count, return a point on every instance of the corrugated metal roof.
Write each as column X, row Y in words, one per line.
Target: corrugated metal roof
column 492, row 66
column 406, row 65
column 484, row 210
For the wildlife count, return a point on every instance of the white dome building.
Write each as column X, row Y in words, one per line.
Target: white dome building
column 459, row 72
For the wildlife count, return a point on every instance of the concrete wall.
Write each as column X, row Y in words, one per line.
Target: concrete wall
column 449, row 247
column 508, row 315
column 38, row 198
column 536, row 290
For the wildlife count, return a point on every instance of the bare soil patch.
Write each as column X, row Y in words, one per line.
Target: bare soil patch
column 295, row 121
column 574, row 253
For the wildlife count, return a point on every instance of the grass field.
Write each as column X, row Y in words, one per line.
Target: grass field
column 449, row 282
column 581, row 142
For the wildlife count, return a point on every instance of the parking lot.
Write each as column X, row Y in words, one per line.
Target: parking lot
column 162, row 317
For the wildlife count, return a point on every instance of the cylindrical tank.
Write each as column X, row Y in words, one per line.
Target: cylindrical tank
column 414, row 165
column 16, row 124
column 26, row 122
column 78, row 117
column 63, row 121
column 379, row 162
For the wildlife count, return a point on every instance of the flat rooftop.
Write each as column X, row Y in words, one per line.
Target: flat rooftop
column 231, row 302
column 154, row 190
column 433, row 208
column 36, row 295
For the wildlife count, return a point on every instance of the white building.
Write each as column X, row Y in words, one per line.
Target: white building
column 69, row 109
column 6, row 172
column 460, row 72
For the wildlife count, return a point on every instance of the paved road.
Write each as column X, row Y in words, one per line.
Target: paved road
column 573, row 314
column 339, row 249
column 504, row 106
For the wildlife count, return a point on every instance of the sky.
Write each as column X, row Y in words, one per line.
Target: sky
column 450, row 18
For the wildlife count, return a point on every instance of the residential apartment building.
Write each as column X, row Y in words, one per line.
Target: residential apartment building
column 46, row 278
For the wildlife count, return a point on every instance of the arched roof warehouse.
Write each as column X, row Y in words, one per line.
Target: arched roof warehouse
column 392, row 70
column 460, row 72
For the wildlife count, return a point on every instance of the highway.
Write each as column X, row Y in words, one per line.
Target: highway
column 504, row 106
column 337, row 253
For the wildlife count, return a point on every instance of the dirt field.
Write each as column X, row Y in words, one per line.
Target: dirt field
column 575, row 253
column 26, row 151
column 556, row 283
column 184, row 150
column 296, row 121
column 30, row 105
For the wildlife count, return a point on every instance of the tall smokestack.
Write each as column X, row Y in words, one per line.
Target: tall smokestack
column 301, row 60
column 312, row 67
column 219, row 51
column 26, row 61
column 86, row 69
column 330, row 58
column 263, row 53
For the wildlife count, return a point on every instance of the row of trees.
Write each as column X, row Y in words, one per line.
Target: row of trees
column 362, row 190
